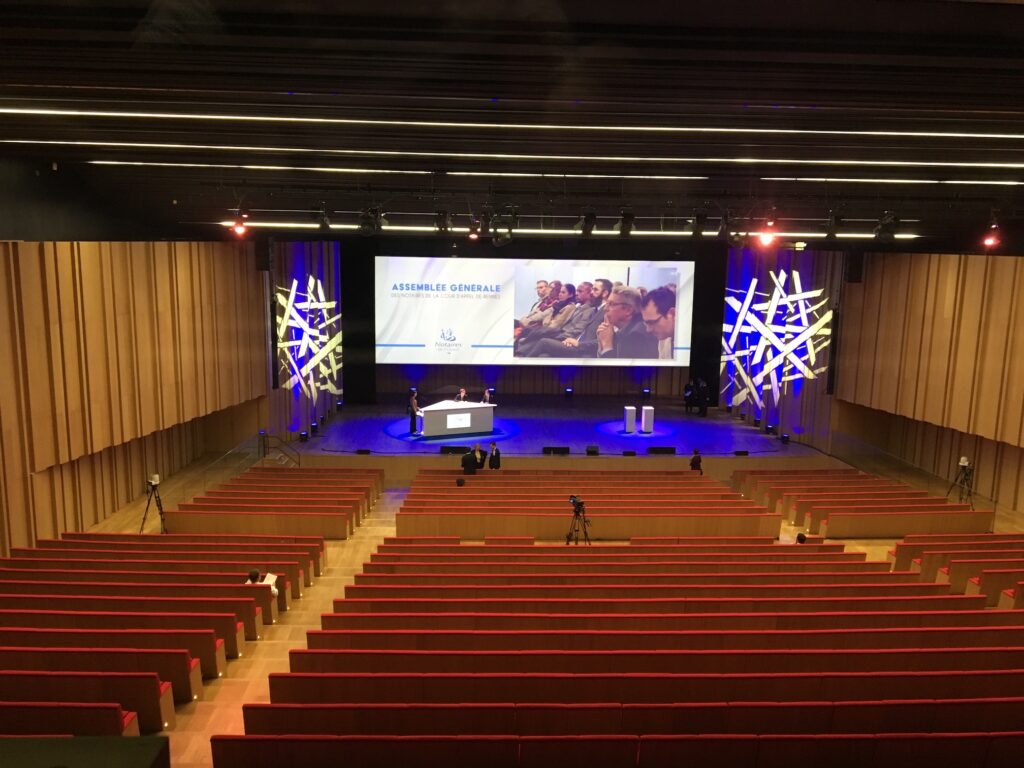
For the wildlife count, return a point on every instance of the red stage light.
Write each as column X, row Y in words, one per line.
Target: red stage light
column 766, row 238
column 991, row 239
column 239, row 228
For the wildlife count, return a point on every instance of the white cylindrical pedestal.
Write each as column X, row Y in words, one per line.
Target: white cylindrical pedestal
column 629, row 419
column 647, row 418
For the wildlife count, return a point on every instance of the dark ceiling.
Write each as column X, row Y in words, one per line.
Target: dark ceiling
column 554, row 107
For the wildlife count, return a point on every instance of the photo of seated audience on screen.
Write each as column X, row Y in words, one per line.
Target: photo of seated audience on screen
column 533, row 311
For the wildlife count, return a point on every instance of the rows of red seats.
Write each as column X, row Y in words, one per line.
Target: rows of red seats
column 104, row 634
column 658, row 652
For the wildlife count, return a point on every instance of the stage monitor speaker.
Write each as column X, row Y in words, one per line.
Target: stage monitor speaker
column 662, row 450
column 265, row 254
column 629, row 453
column 454, row 449
column 854, row 266
column 555, row 450
column 592, row 450
column 363, row 451
column 741, row 453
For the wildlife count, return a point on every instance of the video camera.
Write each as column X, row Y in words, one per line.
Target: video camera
column 579, row 509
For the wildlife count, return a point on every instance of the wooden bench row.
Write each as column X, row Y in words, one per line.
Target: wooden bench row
column 626, row 639
column 170, row 665
column 41, row 718
column 808, row 620
column 703, row 661
column 654, row 687
column 569, row 581
column 570, row 604
column 552, row 527
column 984, row 750
column 140, row 692
column 795, row 589
column 823, row 717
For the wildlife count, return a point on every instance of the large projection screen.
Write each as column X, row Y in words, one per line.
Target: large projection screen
column 472, row 311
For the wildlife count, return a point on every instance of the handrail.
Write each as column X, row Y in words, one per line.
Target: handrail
column 273, row 441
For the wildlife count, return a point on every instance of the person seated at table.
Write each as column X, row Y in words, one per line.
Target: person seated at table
column 256, row 578
column 461, row 397
column 486, row 396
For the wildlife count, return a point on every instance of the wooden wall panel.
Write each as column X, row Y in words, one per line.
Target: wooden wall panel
column 938, row 338
column 110, row 369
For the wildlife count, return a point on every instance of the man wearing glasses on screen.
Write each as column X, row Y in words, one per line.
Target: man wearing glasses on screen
column 659, row 316
column 622, row 334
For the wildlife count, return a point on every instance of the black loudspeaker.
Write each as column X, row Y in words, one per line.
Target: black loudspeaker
column 265, row 254
column 663, row 450
column 629, row 453
column 363, row 451
column 454, row 449
column 555, row 450
column 741, row 453
column 854, row 267
column 784, row 439
column 592, row 450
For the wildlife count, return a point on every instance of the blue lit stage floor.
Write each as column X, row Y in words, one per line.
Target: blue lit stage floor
column 524, row 426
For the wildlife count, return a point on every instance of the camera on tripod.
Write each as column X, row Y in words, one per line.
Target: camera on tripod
column 579, row 522
column 153, row 495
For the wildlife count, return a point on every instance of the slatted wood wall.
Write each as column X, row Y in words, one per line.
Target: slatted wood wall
column 110, row 353
column 938, row 339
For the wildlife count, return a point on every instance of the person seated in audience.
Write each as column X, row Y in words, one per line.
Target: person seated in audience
column 552, row 319
column 536, row 316
column 256, row 578
column 801, row 538
column 622, row 333
column 659, row 316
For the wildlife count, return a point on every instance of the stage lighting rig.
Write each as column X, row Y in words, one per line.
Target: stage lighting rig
column 503, row 224
column 992, row 238
column 323, row 220
column 768, row 235
column 625, row 224
column 700, row 220
column 888, row 223
column 832, row 224
column 442, row 221
column 371, row 221
column 241, row 225
column 585, row 226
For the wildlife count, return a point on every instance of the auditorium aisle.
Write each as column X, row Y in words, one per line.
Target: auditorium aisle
column 220, row 711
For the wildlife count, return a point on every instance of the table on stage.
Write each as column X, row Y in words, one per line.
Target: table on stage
column 451, row 418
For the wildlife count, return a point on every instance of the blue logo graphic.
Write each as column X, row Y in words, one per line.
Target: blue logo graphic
column 447, row 334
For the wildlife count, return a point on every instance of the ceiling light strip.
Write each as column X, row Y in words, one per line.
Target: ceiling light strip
column 655, row 129
column 529, row 157
column 830, row 180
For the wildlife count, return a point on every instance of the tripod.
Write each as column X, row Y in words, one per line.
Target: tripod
column 579, row 524
column 964, row 480
column 153, row 492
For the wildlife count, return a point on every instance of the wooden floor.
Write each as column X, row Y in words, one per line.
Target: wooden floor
column 220, row 711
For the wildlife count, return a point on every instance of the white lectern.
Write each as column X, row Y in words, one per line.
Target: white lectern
column 451, row 418
column 647, row 418
column 629, row 419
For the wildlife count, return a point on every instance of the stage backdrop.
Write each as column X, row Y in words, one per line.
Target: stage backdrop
column 367, row 381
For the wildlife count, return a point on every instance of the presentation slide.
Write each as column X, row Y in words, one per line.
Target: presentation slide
column 533, row 311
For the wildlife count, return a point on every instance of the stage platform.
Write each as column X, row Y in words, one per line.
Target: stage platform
column 524, row 427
